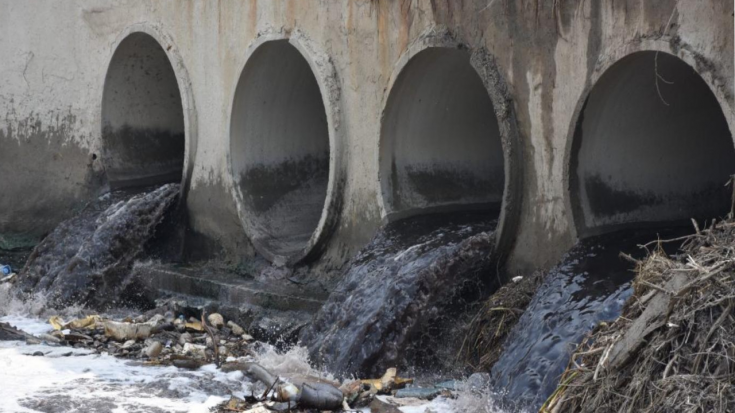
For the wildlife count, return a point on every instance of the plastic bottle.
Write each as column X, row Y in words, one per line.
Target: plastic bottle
column 6, row 269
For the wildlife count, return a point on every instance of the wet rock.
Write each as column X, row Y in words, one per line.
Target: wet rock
column 153, row 349
column 128, row 344
column 185, row 338
column 236, row 329
column 378, row 406
column 216, row 320
column 195, row 350
column 191, row 364
column 49, row 338
column 74, row 337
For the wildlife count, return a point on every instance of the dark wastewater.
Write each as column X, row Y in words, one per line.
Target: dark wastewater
column 402, row 293
column 589, row 285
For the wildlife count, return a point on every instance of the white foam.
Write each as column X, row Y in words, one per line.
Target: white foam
column 85, row 378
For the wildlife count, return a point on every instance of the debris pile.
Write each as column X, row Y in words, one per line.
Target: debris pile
column 483, row 343
column 158, row 338
column 382, row 395
column 673, row 348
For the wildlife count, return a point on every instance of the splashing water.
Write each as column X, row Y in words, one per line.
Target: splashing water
column 414, row 276
column 65, row 379
column 87, row 258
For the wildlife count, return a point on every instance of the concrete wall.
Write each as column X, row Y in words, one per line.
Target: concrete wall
column 537, row 60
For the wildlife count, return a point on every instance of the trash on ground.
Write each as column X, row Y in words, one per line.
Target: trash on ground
column 161, row 339
column 389, row 382
column 8, row 278
column 127, row 331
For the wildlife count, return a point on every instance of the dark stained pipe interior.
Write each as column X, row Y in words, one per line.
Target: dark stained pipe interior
column 280, row 149
column 142, row 116
column 440, row 143
column 648, row 151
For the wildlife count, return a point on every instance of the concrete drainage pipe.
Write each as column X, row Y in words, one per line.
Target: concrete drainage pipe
column 142, row 116
column 280, row 150
column 440, row 142
column 650, row 149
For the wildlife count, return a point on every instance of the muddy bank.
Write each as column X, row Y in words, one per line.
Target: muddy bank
column 401, row 291
column 672, row 348
column 87, row 259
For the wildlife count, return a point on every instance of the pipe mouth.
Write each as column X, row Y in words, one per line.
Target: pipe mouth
column 280, row 152
column 441, row 148
column 143, row 131
column 651, row 145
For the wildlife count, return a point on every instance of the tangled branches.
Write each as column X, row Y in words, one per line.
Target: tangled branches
column 673, row 349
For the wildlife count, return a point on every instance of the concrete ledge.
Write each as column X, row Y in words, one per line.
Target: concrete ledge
column 231, row 289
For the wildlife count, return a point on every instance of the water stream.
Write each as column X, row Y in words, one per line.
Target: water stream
column 401, row 303
column 401, row 294
column 589, row 285
column 87, row 258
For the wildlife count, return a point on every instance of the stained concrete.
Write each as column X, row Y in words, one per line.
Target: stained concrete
column 547, row 58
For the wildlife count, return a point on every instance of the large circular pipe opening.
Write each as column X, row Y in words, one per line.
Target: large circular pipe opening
column 440, row 142
column 280, row 150
column 142, row 116
column 651, row 145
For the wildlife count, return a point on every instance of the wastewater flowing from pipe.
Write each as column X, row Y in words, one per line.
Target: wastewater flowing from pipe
column 87, row 259
column 401, row 296
column 588, row 286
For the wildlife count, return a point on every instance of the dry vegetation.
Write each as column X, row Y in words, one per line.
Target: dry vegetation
column 673, row 349
column 483, row 344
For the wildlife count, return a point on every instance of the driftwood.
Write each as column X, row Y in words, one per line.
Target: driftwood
column 8, row 332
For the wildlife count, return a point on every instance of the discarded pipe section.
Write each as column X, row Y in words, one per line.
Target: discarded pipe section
column 651, row 145
column 142, row 116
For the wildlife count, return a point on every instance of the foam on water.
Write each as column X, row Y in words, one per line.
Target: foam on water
column 83, row 381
